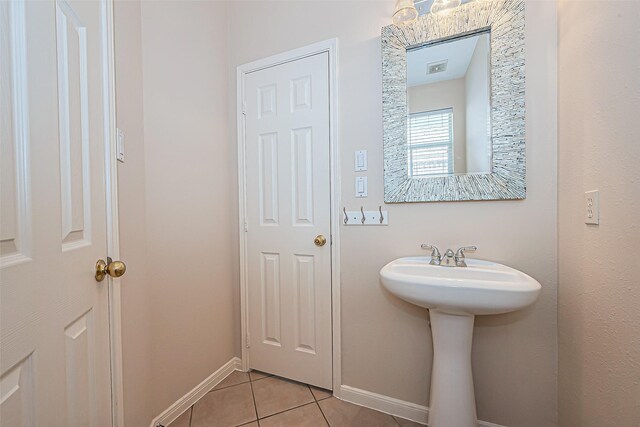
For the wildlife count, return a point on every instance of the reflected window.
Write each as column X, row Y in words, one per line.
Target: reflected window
column 430, row 137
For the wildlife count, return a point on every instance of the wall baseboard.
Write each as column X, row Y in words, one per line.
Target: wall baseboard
column 392, row 406
column 185, row 402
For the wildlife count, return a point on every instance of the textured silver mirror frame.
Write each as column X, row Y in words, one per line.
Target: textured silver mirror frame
column 507, row 179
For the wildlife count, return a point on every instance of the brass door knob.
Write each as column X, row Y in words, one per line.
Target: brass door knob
column 112, row 268
column 320, row 240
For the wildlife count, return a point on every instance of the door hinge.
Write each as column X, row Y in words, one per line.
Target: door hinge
column 244, row 108
column 246, row 226
column 248, row 341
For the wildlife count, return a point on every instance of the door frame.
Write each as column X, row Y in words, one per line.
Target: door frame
column 331, row 47
column 113, row 225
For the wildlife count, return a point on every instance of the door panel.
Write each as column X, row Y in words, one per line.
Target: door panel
column 288, row 205
column 73, row 117
column 54, row 330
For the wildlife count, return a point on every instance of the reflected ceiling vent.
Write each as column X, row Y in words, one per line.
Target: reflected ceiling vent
column 437, row 67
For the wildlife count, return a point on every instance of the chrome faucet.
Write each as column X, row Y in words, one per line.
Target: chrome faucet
column 449, row 259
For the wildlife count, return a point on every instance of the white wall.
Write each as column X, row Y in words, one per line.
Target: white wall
column 188, row 195
column 440, row 95
column 599, row 299
column 386, row 342
column 477, row 113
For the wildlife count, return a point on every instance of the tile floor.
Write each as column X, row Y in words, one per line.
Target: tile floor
column 260, row 400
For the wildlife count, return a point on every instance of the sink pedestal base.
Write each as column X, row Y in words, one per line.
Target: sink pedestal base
column 452, row 397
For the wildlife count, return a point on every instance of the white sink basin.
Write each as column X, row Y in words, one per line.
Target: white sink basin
column 483, row 287
column 454, row 296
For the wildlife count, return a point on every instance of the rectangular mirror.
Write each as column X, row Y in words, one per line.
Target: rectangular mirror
column 454, row 105
column 448, row 98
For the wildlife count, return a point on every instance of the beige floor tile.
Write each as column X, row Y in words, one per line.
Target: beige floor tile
column 183, row 420
column 320, row 393
column 276, row 394
column 230, row 406
column 343, row 414
column 304, row 416
column 234, row 378
column 257, row 375
column 251, row 424
column 407, row 423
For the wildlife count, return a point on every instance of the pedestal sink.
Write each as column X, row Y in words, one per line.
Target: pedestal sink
column 454, row 296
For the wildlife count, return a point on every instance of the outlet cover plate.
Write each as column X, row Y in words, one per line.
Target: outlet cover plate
column 592, row 207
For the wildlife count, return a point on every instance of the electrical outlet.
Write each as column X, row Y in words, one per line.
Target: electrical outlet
column 592, row 207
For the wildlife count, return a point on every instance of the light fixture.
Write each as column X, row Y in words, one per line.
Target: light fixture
column 405, row 12
column 444, row 6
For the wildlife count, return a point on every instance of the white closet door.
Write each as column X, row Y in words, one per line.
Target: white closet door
column 288, row 208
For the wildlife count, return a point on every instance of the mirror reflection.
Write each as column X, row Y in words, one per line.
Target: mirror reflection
column 448, row 96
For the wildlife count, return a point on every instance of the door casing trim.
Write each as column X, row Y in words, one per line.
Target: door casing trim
column 331, row 47
column 113, row 227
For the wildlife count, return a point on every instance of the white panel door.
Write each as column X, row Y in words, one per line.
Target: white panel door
column 288, row 206
column 54, row 331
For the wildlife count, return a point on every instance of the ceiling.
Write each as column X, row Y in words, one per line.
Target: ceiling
column 457, row 53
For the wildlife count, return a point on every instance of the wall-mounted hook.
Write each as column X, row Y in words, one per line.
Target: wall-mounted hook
column 378, row 217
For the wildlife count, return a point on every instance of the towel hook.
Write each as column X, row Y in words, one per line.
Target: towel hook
column 346, row 217
column 364, row 218
column 381, row 216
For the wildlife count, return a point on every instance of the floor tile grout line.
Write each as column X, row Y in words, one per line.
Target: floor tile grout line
column 311, row 391
column 191, row 414
column 287, row 410
column 262, row 378
column 323, row 415
column 255, row 407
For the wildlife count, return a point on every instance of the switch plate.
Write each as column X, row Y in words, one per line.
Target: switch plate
column 592, row 207
column 360, row 161
column 120, row 146
column 361, row 186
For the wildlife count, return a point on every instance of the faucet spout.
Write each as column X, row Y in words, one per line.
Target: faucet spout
column 448, row 259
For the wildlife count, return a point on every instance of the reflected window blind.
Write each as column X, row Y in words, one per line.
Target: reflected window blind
column 430, row 143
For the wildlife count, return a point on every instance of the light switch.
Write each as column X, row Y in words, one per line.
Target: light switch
column 361, row 186
column 120, row 146
column 592, row 207
column 360, row 161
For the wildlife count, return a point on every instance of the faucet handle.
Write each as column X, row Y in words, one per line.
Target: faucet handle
column 435, row 253
column 428, row 246
column 460, row 262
